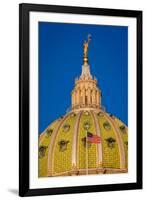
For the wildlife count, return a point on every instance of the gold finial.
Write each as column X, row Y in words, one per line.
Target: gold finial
column 85, row 49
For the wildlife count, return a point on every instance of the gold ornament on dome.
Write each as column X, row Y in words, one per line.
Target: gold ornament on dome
column 85, row 48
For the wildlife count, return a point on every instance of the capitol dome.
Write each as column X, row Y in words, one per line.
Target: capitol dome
column 86, row 140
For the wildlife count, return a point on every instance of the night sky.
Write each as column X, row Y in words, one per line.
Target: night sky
column 60, row 61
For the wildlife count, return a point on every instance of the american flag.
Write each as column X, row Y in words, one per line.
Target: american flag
column 93, row 138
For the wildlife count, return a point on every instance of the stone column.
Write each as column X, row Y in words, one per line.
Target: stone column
column 93, row 97
column 98, row 98
column 75, row 98
column 88, row 95
column 78, row 97
column 84, row 96
column 81, row 97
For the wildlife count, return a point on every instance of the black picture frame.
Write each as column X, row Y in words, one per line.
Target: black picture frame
column 24, row 10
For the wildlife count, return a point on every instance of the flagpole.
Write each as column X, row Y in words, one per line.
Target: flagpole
column 94, row 139
column 86, row 155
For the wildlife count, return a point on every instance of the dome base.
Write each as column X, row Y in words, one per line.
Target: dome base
column 91, row 171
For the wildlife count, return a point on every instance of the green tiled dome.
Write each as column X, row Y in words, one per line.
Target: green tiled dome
column 63, row 149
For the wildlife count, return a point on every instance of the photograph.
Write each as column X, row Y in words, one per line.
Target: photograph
column 80, row 118
column 83, row 119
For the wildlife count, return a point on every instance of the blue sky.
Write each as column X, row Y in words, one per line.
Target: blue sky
column 60, row 61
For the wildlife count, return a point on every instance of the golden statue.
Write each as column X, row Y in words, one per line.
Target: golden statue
column 85, row 45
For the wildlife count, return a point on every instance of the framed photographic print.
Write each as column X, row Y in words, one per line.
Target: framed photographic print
column 80, row 99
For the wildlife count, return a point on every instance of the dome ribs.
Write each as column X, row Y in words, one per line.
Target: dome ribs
column 75, row 141
column 95, row 132
column 99, row 146
column 86, row 155
column 42, row 135
column 110, row 157
column 119, row 140
column 101, row 159
column 92, row 151
column 124, row 136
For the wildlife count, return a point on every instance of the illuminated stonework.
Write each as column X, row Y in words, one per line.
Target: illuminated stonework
column 86, row 93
